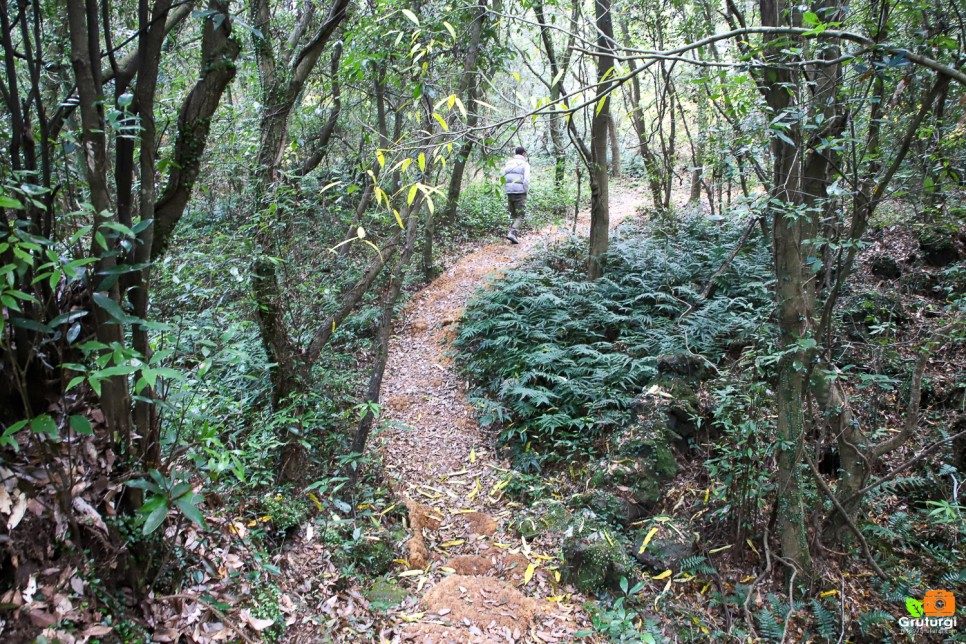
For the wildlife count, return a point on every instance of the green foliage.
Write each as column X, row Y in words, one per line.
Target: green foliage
column 746, row 432
column 826, row 618
column 558, row 360
column 771, row 618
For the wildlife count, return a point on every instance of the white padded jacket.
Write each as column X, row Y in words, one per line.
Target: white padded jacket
column 516, row 176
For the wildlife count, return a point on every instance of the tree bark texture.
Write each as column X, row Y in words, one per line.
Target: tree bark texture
column 599, row 199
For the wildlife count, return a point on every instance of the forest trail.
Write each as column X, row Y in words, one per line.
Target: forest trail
column 476, row 581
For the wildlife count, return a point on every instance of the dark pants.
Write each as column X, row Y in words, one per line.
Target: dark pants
column 518, row 206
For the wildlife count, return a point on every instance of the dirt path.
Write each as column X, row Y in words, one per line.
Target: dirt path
column 476, row 581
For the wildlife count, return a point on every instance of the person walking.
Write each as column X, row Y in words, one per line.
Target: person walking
column 516, row 183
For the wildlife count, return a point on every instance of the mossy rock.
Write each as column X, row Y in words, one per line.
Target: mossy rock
column 672, row 543
column 374, row 554
column 938, row 247
column 608, row 506
column 551, row 516
column 593, row 563
column 885, row 267
column 689, row 366
column 385, row 593
column 869, row 310
column 643, row 461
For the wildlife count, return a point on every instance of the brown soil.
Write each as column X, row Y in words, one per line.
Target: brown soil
column 435, row 452
column 513, row 566
column 470, row 565
column 480, row 524
column 421, row 518
column 485, row 602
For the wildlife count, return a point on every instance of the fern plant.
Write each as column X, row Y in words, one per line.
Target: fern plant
column 557, row 361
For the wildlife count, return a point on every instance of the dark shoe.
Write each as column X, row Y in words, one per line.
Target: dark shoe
column 512, row 236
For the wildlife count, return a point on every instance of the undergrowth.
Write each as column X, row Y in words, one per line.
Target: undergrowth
column 558, row 360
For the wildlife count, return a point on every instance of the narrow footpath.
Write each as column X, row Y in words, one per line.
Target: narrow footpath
column 476, row 580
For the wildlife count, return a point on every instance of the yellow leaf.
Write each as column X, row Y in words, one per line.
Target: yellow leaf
column 409, row 14
column 331, row 185
column 402, row 562
column 447, row 569
column 516, row 75
column 422, row 162
column 315, row 500
column 706, row 587
column 752, row 546
column 747, row 579
column 472, row 456
column 266, row 518
column 647, row 539
column 556, row 598
column 556, row 575
column 663, row 575
column 412, row 195
column 387, row 510
column 502, row 546
column 720, row 549
column 441, row 121
column 450, row 544
column 476, row 490
column 415, row 617
column 707, row 494
column 528, row 575
column 449, row 28
column 396, row 214
column 411, row 573
column 381, row 158
column 667, row 586
column 829, row 593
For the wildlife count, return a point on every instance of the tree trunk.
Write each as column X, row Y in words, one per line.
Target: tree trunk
column 374, row 388
column 794, row 316
column 615, row 147
column 469, row 93
column 599, row 199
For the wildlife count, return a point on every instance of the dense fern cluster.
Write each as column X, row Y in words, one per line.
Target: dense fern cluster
column 557, row 361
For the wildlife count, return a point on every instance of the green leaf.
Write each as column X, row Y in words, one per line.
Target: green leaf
column 113, row 308
column 10, row 202
column 81, row 425
column 6, row 439
column 155, row 518
column 188, row 504
column 44, row 424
